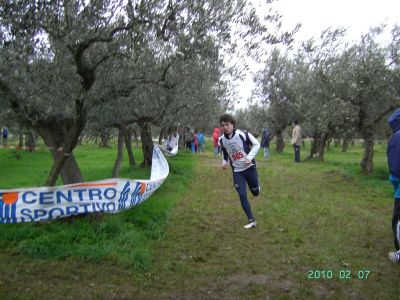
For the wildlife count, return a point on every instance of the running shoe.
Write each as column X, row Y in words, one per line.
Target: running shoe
column 251, row 225
column 394, row 256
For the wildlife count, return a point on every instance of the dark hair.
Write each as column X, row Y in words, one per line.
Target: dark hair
column 227, row 118
column 295, row 122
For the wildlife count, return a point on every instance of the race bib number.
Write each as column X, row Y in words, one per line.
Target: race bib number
column 238, row 155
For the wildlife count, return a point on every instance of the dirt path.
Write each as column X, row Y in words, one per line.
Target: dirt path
column 207, row 254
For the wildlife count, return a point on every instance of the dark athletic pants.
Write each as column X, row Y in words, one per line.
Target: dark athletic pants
column 240, row 179
column 296, row 153
column 395, row 219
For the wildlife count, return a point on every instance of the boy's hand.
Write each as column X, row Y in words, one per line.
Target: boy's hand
column 247, row 162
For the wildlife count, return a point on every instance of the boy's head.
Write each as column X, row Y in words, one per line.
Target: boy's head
column 227, row 123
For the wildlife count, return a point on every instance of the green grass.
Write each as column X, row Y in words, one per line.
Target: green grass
column 123, row 238
column 312, row 216
column 187, row 240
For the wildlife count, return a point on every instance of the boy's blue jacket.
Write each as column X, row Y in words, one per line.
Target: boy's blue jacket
column 393, row 150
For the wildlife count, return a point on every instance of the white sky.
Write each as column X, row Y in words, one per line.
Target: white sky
column 357, row 16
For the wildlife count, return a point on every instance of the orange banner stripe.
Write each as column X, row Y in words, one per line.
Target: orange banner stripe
column 95, row 184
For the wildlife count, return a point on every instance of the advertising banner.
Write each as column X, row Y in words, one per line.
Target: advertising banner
column 106, row 196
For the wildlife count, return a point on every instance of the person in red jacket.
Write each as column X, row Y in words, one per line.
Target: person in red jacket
column 216, row 135
column 195, row 142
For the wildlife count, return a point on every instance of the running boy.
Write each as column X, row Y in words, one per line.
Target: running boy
column 235, row 145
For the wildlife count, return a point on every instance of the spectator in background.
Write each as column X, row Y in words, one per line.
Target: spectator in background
column 265, row 142
column 189, row 138
column 5, row 136
column 393, row 155
column 216, row 135
column 195, row 142
column 201, row 141
column 296, row 140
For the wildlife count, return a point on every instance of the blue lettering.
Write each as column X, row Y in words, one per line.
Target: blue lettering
column 95, row 193
column 110, row 206
column 96, row 207
column 27, row 213
column 26, row 200
column 61, row 196
column 85, row 207
column 72, row 210
column 80, row 193
column 113, row 192
column 46, row 196
column 152, row 186
column 102, row 206
column 38, row 213
column 52, row 213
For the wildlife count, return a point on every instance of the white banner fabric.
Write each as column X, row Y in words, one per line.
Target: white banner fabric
column 106, row 196
column 171, row 145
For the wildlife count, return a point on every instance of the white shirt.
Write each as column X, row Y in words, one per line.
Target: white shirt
column 236, row 148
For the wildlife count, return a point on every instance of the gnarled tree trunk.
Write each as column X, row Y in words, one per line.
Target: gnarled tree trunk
column 20, row 138
column 128, row 144
column 328, row 144
column 105, row 136
column 118, row 161
column 318, row 145
column 30, row 141
column 367, row 162
column 182, row 133
column 136, row 137
column 54, row 137
column 345, row 144
column 147, row 144
column 280, row 143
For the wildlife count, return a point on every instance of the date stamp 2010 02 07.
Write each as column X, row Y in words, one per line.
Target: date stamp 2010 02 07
column 344, row 274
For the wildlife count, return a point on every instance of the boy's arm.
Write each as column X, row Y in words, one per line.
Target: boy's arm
column 254, row 149
column 224, row 155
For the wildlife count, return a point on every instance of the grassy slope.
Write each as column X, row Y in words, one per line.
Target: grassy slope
column 120, row 241
column 324, row 216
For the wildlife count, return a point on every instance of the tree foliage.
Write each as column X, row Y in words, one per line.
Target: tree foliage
column 336, row 90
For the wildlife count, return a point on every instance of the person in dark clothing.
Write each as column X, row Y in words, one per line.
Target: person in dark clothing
column 265, row 142
column 5, row 136
column 296, row 140
column 189, row 138
column 393, row 155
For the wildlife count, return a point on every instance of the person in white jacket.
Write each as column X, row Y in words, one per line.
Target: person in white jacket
column 296, row 140
column 240, row 148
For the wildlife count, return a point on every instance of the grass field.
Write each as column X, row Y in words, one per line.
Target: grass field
column 323, row 232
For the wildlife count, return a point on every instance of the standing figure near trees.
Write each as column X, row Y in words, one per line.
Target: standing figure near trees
column 296, row 140
column 240, row 148
column 5, row 136
column 216, row 135
column 195, row 142
column 189, row 138
column 200, row 141
column 265, row 142
column 393, row 155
